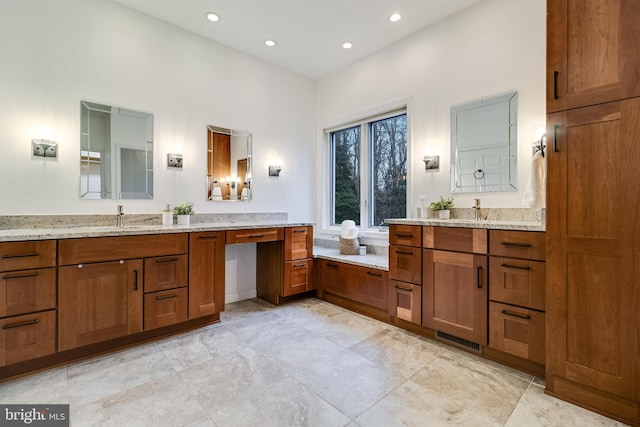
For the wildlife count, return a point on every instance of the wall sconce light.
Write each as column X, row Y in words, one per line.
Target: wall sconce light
column 174, row 160
column 431, row 162
column 274, row 170
column 44, row 148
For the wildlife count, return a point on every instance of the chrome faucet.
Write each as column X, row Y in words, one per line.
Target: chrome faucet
column 120, row 216
column 476, row 209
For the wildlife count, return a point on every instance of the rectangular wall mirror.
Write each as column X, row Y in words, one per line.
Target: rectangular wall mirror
column 116, row 152
column 229, row 164
column 484, row 148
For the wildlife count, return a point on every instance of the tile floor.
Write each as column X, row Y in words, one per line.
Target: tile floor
column 309, row 363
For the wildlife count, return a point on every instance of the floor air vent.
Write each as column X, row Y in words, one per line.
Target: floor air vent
column 459, row 342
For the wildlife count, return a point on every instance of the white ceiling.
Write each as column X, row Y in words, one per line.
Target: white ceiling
column 309, row 33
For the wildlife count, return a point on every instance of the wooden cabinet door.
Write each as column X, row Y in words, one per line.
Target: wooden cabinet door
column 593, row 278
column 298, row 243
column 364, row 285
column 454, row 294
column 517, row 331
column 27, row 291
column 206, row 273
column 593, row 52
column 404, row 264
column 405, row 301
column 98, row 302
column 297, row 277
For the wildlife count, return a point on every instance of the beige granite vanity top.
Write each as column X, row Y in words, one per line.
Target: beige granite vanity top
column 471, row 223
column 18, row 234
column 380, row 262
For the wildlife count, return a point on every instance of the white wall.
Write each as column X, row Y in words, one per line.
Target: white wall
column 490, row 48
column 55, row 53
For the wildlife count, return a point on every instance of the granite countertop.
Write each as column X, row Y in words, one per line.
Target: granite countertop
column 380, row 262
column 131, row 230
column 471, row 223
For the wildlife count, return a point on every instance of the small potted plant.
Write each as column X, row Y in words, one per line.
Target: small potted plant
column 443, row 207
column 183, row 212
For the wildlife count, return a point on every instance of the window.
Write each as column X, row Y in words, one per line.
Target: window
column 369, row 170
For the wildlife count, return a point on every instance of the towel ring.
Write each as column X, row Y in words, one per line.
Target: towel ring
column 479, row 174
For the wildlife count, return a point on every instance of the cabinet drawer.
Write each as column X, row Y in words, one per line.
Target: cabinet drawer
column 27, row 291
column 27, row 337
column 297, row 277
column 405, row 264
column 517, row 331
column 405, row 235
column 165, row 308
column 364, row 285
column 28, row 254
column 165, row 272
column 255, row 235
column 519, row 282
column 474, row 240
column 98, row 249
column 518, row 244
column 298, row 243
column 405, row 301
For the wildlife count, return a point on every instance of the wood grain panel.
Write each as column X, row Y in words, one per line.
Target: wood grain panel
column 206, row 273
column 165, row 308
column 454, row 294
column 26, row 291
column 255, row 235
column 405, row 264
column 166, row 272
column 364, row 285
column 405, row 301
column 517, row 331
column 518, row 282
column 518, row 244
column 472, row 240
column 405, row 235
column 297, row 277
column 100, row 249
column 99, row 302
column 593, row 52
column 298, row 243
column 27, row 337
column 27, row 255
column 593, row 266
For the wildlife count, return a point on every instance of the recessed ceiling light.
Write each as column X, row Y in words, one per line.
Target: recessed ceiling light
column 395, row 17
column 213, row 17
column 270, row 43
column 347, row 45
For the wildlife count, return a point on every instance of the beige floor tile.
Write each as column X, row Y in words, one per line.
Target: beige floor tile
column 202, row 422
column 537, row 409
column 345, row 329
column 111, row 374
column 349, row 382
column 412, row 405
column 162, row 402
column 485, row 390
column 397, row 352
column 41, row 388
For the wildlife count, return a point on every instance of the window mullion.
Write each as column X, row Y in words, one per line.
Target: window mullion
column 365, row 184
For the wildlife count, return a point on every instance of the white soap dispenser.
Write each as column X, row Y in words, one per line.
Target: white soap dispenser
column 167, row 216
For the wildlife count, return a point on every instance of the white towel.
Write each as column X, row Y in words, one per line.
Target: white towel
column 216, row 193
column 535, row 191
column 348, row 229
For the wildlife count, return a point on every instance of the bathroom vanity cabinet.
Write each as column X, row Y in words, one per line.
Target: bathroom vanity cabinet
column 27, row 300
column 101, row 285
column 355, row 287
column 206, row 273
column 517, row 295
column 454, row 281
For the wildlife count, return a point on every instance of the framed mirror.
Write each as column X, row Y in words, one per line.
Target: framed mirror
column 229, row 164
column 484, row 150
column 116, row 152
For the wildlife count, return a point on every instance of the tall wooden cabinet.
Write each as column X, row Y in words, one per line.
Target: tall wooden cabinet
column 593, row 205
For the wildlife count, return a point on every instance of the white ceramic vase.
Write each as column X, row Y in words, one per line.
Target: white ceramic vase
column 183, row 219
column 444, row 214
